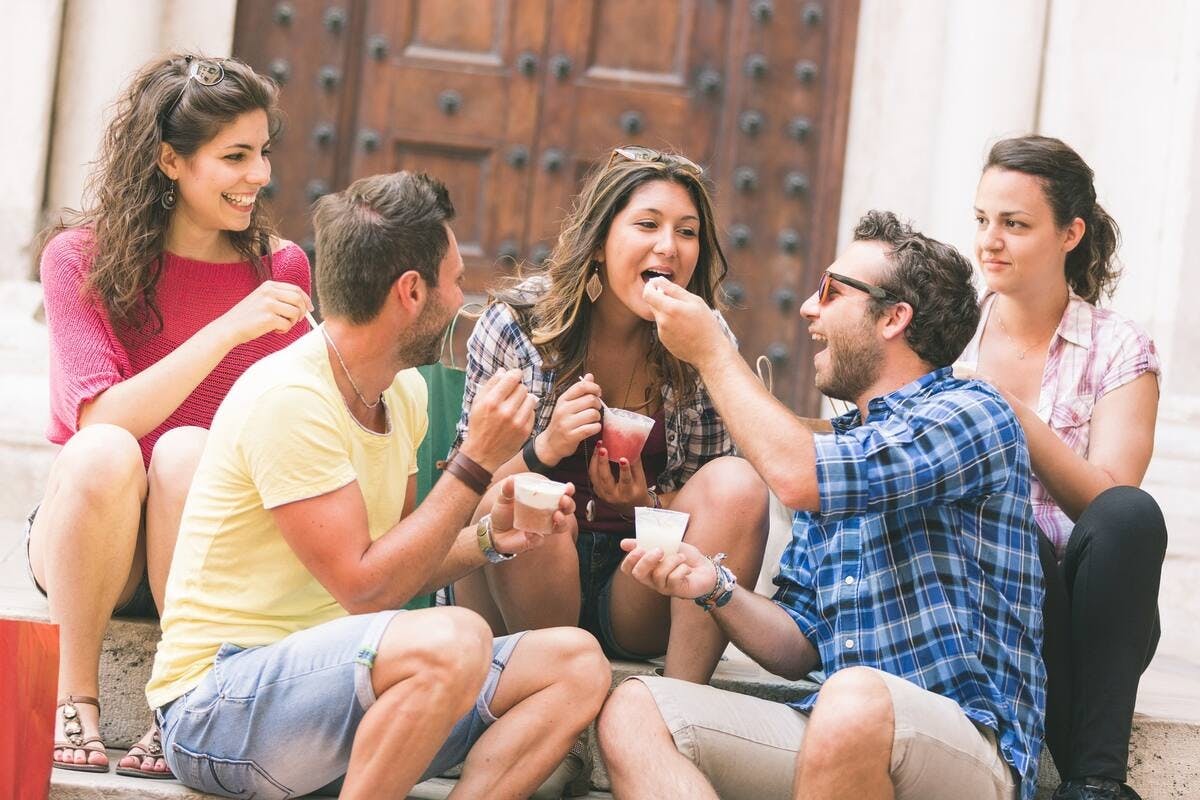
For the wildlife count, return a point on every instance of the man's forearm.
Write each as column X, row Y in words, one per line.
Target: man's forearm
column 768, row 435
column 406, row 559
column 766, row 633
column 464, row 557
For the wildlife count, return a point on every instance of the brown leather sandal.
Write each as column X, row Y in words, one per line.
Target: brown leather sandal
column 74, row 733
column 140, row 751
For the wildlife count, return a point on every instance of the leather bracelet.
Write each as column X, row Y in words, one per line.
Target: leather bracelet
column 723, row 587
column 455, row 468
column 473, row 467
column 532, row 462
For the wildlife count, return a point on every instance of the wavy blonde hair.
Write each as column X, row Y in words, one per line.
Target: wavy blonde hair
column 558, row 317
column 122, row 202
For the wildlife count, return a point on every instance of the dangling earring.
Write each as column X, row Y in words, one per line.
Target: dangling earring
column 168, row 197
column 594, row 287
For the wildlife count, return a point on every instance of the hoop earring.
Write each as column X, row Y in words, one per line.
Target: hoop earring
column 168, row 198
column 594, row 287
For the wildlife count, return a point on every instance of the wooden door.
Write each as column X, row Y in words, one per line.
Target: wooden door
column 509, row 102
column 448, row 90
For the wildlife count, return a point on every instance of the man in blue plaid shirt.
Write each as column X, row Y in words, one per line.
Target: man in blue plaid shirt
column 912, row 578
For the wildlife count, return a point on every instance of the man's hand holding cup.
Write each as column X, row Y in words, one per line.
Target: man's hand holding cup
column 686, row 574
column 507, row 538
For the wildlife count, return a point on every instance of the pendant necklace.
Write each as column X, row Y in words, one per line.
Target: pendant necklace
column 1020, row 353
column 349, row 377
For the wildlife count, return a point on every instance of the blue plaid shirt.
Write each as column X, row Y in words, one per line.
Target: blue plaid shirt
column 923, row 560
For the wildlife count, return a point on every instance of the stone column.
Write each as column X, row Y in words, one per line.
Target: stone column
column 30, row 37
column 935, row 82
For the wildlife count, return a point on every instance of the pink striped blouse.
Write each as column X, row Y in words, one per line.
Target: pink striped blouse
column 1093, row 351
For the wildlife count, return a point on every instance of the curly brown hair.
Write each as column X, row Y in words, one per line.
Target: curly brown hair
column 560, row 315
column 122, row 201
column 932, row 277
column 1069, row 185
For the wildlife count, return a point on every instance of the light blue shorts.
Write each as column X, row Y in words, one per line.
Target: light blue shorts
column 279, row 721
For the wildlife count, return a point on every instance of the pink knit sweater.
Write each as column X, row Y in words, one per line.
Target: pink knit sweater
column 87, row 355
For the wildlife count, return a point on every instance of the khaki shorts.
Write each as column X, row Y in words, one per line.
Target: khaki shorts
column 747, row 746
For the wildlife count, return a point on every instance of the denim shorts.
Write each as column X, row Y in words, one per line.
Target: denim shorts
column 600, row 555
column 140, row 605
column 279, row 721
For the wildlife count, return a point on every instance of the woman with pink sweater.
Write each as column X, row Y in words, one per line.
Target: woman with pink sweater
column 159, row 294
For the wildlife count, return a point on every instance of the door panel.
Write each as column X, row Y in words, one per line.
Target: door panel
column 449, row 100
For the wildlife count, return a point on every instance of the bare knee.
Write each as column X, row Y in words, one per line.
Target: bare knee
column 579, row 663
column 732, row 484
column 449, row 652
column 628, row 714
column 174, row 458
column 99, row 465
column 853, row 715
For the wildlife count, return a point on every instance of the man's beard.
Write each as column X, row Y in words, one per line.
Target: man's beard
column 855, row 359
column 423, row 344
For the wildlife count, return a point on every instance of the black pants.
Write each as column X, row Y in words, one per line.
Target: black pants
column 1101, row 616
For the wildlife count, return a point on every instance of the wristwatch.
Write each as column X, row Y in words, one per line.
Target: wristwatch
column 722, row 591
column 483, row 538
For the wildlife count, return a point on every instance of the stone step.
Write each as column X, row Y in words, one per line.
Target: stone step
column 65, row 785
column 1164, row 752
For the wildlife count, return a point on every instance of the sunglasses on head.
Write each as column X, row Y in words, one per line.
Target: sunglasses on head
column 203, row 72
column 635, row 152
column 878, row 292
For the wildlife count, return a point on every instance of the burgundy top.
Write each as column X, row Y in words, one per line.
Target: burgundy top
column 88, row 355
column 574, row 468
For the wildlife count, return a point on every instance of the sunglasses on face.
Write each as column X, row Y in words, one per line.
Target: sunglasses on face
column 205, row 73
column 878, row 292
column 635, row 152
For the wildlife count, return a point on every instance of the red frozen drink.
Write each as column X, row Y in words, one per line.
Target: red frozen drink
column 625, row 433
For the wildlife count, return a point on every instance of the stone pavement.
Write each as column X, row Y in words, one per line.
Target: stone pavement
column 1165, row 762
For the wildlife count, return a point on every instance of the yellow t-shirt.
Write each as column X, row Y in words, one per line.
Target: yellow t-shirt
column 282, row 434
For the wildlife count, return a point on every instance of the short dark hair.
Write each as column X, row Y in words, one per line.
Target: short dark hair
column 932, row 277
column 1069, row 185
column 374, row 231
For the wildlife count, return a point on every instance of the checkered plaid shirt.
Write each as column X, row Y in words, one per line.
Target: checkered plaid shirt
column 923, row 560
column 1093, row 351
column 695, row 434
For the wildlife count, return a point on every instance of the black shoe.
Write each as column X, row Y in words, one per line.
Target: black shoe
column 1095, row 789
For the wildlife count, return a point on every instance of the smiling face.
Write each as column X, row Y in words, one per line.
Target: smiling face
column 1018, row 246
column 219, row 183
column 657, row 233
column 852, row 357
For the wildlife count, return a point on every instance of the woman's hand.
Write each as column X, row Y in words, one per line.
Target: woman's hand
column 627, row 490
column 274, row 306
column 687, row 574
column 509, row 540
column 576, row 416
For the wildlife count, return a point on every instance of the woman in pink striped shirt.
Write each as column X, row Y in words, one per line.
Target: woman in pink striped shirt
column 1084, row 384
column 158, row 296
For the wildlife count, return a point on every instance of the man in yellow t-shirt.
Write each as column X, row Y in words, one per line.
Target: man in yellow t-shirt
column 284, row 667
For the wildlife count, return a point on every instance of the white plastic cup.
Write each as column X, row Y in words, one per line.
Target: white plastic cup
column 660, row 527
column 625, row 433
column 536, row 500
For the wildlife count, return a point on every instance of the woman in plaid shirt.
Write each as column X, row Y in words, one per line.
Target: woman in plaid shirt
column 580, row 331
column 1084, row 384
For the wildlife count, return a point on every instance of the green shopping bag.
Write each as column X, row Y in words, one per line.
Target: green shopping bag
column 446, row 384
